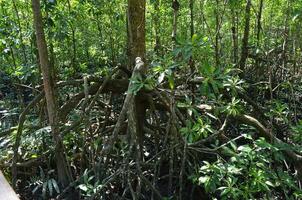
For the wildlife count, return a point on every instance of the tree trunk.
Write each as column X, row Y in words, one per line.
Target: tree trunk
column 259, row 22
column 191, row 61
column 73, row 38
column 245, row 39
column 136, row 30
column 235, row 34
column 191, row 5
column 217, row 35
column 286, row 33
column 157, row 47
column 136, row 34
column 259, row 68
column 175, row 6
column 64, row 173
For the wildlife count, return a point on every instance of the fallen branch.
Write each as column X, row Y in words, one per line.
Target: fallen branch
column 292, row 157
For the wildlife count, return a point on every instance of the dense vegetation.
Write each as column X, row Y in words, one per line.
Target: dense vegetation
column 156, row 99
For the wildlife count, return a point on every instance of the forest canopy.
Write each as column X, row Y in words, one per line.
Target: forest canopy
column 151, row 99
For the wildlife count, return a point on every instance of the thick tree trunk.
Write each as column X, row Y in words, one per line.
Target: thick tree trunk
column 136, row 30
column 136, row 34
column 64, row 173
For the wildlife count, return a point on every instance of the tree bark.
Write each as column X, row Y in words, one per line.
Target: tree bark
column 157, row 47
column 175, row 6
column 259, row 22
column 259, row 68
column 191, row 61
column 245, row 39
column 217, row 35
column 286, row 33
column 136, row 30
column 64, row 173
column 235, row 34
column 191, row 5
column 73, row 40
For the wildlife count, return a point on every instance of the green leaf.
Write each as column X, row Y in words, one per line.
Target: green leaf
column 194, row 38
column 204, row 167
column 269, row 183
column 182, row 105
column 171, row 82
column 244, row 148
column 157, row 69
column 233, row 145
column 225, row 191
column 44, row 189
column 34, row 156
column 161, row 78
column 36, row 188
column 50, row 188
column 83, row 187
column 203, row 179
column 55, row 185
column 228, row 151
column 247, row 136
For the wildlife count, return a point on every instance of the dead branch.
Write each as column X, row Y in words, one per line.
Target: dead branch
column 267, row 134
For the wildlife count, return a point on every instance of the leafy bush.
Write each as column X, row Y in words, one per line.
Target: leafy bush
column 249, row 174
column 43, row 185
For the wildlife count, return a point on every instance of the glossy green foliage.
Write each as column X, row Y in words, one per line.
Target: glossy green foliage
column 250, row 173
column 201, row 86
column 44, row 186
